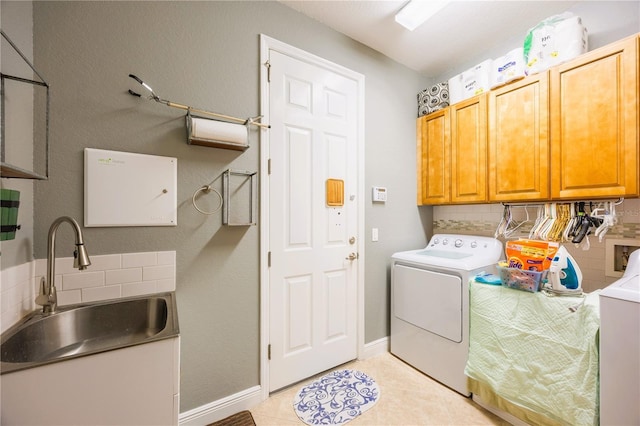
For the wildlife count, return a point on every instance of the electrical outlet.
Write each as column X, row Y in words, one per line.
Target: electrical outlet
column 374, row 234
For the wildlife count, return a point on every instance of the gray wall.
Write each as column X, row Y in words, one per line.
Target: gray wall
column 206, row 54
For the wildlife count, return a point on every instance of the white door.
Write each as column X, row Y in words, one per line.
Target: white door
column 313, row 236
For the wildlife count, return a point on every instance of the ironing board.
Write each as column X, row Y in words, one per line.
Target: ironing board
column 535, row 351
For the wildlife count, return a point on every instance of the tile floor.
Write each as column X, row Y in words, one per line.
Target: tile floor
column 407, row 397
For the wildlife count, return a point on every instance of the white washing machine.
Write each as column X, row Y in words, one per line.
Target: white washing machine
column 620, row 348
column 430, row 303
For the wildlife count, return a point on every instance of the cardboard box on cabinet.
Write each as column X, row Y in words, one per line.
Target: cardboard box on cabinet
column 433, row 99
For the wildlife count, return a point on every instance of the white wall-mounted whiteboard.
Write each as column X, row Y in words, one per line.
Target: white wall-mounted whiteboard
column 129, row 189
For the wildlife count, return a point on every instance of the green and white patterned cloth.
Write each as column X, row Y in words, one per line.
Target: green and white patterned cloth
column 537, row 351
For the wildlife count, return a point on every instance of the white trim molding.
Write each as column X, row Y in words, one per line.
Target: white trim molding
column 222, row 408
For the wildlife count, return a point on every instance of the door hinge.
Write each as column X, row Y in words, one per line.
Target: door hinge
column 269, row 351
column 269, row 166
column 268, row 65
column 269, row 259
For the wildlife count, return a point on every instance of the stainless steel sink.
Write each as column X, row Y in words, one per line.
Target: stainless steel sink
column 79, row 330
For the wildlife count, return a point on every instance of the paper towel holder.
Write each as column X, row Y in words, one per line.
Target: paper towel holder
column 195, row 139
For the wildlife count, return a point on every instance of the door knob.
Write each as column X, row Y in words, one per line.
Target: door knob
column 352, row 256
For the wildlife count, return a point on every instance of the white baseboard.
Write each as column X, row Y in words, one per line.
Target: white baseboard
column 251, row 397
column 222, row 408
column 377, row 347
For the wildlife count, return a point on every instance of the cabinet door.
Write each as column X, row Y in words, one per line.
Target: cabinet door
column 469, row 150
column 433, row 157
column 594, row 120
column 519, row 140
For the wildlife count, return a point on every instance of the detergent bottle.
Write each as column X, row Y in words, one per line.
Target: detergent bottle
column 564, row 272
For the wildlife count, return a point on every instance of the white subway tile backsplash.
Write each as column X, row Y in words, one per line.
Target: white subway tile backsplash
column 70, row 297
column 158, row 272
column 83, row 279
column 133, row 260
column 40, row 266
column 17, row 274
column 166, row 285
column 139, row 288
column 166, row 258
column 64, row 265
column 94, row 294
column 106, row 262
column 108, row 277
column 17, row 294
column 121, row 276
column 11, row 297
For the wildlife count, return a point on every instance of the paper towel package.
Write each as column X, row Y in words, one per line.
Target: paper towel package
column 433, row 99
column 470, row 83
column 553, row 41
column 508, row 68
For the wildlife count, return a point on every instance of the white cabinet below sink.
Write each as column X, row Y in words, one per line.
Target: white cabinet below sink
column 138, row 385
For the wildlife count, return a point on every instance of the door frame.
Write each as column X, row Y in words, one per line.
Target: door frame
column 266, row 44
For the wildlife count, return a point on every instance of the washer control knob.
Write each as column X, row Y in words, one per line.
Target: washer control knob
column 445, row 241
column 458, row 243
column 436, row 241
column 474, row 244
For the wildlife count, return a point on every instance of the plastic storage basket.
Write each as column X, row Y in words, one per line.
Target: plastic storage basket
column 521, row 279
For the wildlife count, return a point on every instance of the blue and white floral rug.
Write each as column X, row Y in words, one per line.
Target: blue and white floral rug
column 336, row 398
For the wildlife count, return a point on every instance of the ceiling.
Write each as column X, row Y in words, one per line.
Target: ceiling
column 455, row 35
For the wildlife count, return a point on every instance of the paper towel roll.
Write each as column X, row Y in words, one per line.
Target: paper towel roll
column 217, row 134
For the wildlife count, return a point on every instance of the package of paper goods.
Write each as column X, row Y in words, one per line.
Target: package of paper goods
column 472, row 82
column 433, row 99
column 508, row 68
column 553, row 41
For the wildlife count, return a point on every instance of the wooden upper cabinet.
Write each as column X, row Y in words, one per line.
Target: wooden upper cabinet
column 519, row 140
column 469, row 150
column 594, row 123
column 572, row 132
column 433, row 155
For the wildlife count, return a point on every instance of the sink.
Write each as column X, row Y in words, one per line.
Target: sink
column 79, row 330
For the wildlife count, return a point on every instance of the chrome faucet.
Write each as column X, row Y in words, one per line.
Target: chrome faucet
column 48, row 297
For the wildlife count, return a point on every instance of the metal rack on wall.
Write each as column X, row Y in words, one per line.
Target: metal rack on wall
column 7, row 169
column 226, row 196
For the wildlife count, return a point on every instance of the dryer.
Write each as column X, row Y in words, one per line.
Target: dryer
column 430, row 303
column 620, row 348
